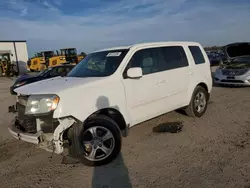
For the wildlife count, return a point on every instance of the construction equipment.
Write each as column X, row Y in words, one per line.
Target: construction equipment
column 66, row 55
column 46, row 57
column 37, row 62
column 81, row 56
column 71, row 55
column 34, row 62
column 6, row 67
column 56, row 60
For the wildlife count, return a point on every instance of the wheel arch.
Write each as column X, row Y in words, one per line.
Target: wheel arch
column 115, row 115
column 201, row 84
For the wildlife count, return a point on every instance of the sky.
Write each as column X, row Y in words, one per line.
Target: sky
column 95, row 24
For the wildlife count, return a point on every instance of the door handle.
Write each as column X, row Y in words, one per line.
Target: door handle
column 190, row 73
column 161, row 82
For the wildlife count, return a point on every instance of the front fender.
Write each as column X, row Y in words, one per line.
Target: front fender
column 83, row 102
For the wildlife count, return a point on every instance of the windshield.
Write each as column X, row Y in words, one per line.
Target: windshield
column 39, row 55
column 48, row 54
column 99, row 64
column 70, row 51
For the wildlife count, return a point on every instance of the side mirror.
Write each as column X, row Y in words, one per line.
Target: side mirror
column 135, row 72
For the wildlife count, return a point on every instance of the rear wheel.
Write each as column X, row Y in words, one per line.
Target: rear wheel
column 1, row 71
column 97, row 142
column 198, row 103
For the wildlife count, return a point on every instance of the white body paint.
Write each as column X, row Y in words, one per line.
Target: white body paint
column 137, row 100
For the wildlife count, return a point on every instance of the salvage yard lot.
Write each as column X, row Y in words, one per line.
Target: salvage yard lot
column 213, row 151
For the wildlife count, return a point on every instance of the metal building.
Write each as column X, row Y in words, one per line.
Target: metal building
column 19, row 53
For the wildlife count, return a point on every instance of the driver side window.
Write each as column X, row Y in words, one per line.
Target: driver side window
column 147, row 59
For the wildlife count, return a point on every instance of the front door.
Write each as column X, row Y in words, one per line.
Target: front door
column 144, row 93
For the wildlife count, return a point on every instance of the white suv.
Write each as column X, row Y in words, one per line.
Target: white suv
column 108, row 92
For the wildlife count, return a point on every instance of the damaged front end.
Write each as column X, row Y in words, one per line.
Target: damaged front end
column 38, row 126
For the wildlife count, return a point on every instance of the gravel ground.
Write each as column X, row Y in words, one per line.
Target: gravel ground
column 212, row 151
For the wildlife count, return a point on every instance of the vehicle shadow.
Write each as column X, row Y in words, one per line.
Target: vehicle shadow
column 114, row 174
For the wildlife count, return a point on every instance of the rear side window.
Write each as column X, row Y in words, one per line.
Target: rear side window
column 174, row 57
column 197, row 54
column 159, row 59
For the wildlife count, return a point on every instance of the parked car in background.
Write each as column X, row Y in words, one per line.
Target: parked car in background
column 110, row 91
column 215, row 58
column 235, row 69
column 61, row 70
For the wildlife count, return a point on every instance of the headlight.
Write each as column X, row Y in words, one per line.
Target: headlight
column 20, row 84
column 40, row 104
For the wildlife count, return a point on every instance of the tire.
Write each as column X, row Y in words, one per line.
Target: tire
column 191, row 109
column 1, row 71
column 81, row 133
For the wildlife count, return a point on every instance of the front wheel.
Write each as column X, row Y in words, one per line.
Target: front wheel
column 198, row 104
column 97, row 142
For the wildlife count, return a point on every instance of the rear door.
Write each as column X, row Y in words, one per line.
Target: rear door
column 175, row 69
column 201, row 68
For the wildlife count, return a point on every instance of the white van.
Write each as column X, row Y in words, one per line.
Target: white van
column 108, row 92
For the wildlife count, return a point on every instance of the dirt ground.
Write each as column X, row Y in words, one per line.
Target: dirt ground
column 213, row 151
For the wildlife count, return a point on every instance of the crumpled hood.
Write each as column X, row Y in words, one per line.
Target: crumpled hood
column 235, row 50
column 55, row 85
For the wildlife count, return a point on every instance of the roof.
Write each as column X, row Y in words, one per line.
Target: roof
column 12, row 40
column 5, row 51
column 141, row 45
column 67, row 48
column 46, row 51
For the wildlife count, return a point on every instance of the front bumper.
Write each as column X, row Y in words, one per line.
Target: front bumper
column 52, row 142
column 241, row 80
column 18, row 134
